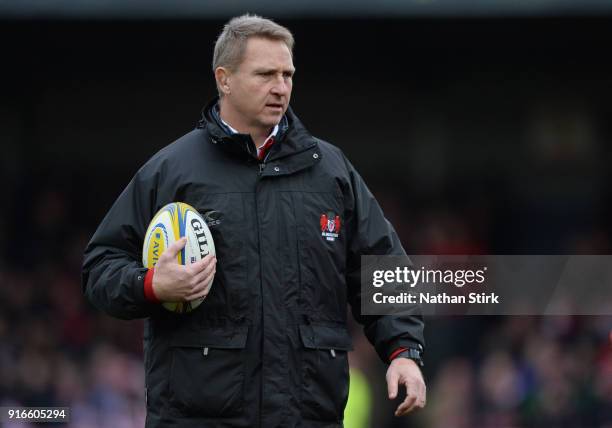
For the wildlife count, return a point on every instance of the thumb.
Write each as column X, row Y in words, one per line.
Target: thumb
column 392, row 380
column 174, row 248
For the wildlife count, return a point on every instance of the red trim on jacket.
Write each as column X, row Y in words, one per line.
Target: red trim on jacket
column 395, row 353
column 148, row 287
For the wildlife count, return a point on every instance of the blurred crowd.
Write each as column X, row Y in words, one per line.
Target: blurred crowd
column 507, row 372
column 56, row 350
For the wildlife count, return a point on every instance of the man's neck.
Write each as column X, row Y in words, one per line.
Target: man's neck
column 258, row 134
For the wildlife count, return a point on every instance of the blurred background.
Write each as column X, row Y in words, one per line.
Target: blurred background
column 483, row 127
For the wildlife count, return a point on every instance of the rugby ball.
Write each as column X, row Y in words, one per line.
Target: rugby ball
column 170, row 224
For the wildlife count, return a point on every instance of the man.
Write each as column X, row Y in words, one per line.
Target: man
column 290, row 218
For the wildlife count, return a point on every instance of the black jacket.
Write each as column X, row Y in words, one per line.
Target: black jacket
column 273, row 327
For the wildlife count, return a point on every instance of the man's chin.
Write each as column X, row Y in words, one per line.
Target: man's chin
column 271, row 121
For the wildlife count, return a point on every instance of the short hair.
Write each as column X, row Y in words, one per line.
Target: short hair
column 231, row 43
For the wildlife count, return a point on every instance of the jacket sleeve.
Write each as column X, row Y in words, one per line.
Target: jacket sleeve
column 370, row 233
column 113, row 274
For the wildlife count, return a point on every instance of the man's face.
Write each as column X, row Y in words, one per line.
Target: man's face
column 260, row 88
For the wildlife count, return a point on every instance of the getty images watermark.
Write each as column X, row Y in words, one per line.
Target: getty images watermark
column 413, row 277
column 487, row 284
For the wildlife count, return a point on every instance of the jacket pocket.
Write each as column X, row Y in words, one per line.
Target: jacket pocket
column 325, row 371
column 207, row 373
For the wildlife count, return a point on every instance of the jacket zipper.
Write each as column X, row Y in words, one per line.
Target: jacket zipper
column 262, row 166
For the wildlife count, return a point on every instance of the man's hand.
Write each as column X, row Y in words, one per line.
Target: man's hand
column 173, row 282
column 404, row 371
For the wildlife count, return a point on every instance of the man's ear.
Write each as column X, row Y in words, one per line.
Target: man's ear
column 223, row 78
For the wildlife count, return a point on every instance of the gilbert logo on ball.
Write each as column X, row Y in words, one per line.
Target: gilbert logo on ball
column 170, row 224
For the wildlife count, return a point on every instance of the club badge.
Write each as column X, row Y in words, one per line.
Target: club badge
column 330, row 226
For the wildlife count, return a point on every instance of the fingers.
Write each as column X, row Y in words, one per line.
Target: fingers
column 205, row 289
column 208, row 268
column 406, row 406
column 173, row 250
column 202, row 288
column 203, row 281
column 415, row 398
column 405, row 372
column 201, row 265
column 422, row 401
column 185, row 282
column 392, row 380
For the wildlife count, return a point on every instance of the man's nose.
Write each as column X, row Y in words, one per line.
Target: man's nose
column 280, row 86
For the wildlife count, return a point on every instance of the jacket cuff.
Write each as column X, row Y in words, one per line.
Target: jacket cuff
column 395, row 353
column 148, row 287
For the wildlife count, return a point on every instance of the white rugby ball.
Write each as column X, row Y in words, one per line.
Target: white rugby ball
column 170, row 224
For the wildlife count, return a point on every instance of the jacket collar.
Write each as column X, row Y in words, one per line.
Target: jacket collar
column 279, row 129
column 289, row 149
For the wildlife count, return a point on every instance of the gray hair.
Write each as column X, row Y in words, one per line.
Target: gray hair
column 231, row 44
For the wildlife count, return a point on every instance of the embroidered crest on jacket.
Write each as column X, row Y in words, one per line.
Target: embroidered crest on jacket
column 330, row 226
